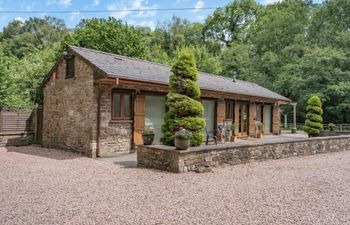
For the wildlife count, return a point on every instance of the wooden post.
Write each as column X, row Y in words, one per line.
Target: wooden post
column 294, row 128
column 0, row 121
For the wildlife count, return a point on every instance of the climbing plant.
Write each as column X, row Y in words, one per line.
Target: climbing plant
column 314, row 120
column 185, row 109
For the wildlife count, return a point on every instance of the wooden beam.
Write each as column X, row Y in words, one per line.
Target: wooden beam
column 149, row 86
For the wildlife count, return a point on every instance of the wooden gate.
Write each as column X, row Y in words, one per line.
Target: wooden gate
column 11, row 122
column 22, row 122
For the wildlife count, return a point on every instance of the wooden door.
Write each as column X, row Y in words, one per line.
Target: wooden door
column 139, row 118
column 243, row 119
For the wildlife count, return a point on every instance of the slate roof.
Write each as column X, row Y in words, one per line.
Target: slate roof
column 139, row 70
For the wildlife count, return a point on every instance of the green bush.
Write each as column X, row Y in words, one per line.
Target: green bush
column 313, row 122
column 184, row 108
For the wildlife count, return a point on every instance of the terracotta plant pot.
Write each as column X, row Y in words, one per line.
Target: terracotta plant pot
column 147, row 139
column 233, row 138
column 182, row 143
column 259, row 135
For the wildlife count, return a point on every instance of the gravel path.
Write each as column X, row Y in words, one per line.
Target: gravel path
column 42, row 186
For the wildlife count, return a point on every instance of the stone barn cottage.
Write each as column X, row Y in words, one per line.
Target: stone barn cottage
column 98, row 103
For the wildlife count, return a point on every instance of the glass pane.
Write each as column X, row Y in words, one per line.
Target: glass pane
column 155, row 109
column 229, row 110
column 267, row 118
column 209, row 114
column 240, row 119
column 245, row 109
column 127, row 106
column 258, row 112
column 116, row 103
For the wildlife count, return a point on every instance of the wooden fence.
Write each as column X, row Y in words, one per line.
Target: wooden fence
column 14, row 122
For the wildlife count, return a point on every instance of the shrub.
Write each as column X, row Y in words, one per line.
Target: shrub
column 148, row 130
column 313, row 122
column 331, row 126
column 184, row 108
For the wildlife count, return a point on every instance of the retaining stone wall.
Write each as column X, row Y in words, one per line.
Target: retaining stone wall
column 203, row 158
column 16, row 139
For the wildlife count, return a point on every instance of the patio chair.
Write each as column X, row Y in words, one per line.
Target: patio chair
column 211, row 137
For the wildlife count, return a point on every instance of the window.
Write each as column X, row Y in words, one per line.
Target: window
column 121, row 106
column 259, row 112
column 70, row 69
column 230, row 110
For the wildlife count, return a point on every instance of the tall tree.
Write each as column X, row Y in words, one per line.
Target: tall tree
column 231, row 23
column 108, row 35
column 20, row 38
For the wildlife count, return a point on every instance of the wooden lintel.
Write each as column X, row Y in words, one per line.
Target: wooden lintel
column 148, row 86
column 107, row 80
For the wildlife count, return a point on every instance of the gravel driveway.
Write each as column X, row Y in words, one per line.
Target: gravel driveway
column 42, row 186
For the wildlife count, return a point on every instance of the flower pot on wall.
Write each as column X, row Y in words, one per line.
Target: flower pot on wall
column 182, row 143
column 147, row 139
column 233, row 138
column 260, row 135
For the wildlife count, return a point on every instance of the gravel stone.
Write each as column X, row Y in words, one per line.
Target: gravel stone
column 47, row 186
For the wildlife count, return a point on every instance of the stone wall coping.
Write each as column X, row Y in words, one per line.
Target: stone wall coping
column 15, row 133
column 219, row 147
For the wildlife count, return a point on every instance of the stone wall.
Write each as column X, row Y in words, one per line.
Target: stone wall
column 68, row 112
column 115, row 135
column 204, row 157
column 16, row 139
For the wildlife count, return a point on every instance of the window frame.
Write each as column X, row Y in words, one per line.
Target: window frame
column 232, row 111
column 121, row 105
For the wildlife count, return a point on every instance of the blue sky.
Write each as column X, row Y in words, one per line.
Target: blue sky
column 149, row 18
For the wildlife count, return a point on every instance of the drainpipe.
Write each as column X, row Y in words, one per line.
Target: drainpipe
column 98, row 124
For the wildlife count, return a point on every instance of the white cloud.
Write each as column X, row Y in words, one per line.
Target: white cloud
column 20, row 19
column 50, row 2
column 136, row 5
column 120, row 14
column 151, row 24
column 269, row 2
column 198, row 6
column 74, row 16
column 96, row 2
column 64, row 2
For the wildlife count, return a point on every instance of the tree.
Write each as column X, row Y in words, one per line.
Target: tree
column 231, row 23
column 313, row 122
column 182, row 100
column 21, row 38
column 327, row 20
column 277, row 25
column 108, row 35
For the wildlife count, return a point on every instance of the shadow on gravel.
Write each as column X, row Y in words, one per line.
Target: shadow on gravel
column 127, row 164
column 57, row 154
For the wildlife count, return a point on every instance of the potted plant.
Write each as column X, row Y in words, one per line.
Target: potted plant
column 331, row 126
column 148, row 135
column 233, row 133
column 260, row 129
column 183, row 139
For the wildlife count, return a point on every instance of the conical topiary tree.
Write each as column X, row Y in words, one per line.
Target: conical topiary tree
column 313, row 122
column 183, row 101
